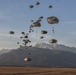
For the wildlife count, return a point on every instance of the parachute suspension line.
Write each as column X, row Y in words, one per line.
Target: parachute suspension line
column 53, row 30
column 36, row 33
column 54, row 45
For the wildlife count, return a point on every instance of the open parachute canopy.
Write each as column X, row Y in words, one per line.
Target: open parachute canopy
column 52, row 20
column 37, row 3
column 53, row 41
column 11, row 32
column 26, row 36
column 23, row 33
column 31, row 6
column 43, row 32
column 50, row 6
column 27, row 59
column 36, row 24
column 32, row 21
column 41, row 37
column 17, row 42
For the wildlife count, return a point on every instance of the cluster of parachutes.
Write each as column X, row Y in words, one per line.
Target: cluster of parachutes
column 25, row 36
column 50, row 20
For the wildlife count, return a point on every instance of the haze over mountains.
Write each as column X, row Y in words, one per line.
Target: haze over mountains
column 40, row 57
column 56, row 47
column 4, row 51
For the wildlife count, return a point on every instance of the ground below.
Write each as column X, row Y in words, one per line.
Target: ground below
column 4, row 70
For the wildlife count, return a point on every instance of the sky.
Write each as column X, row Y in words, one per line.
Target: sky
column 15, row 15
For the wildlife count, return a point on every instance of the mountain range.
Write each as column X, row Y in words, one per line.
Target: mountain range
column 40, row 57
column 55, row 47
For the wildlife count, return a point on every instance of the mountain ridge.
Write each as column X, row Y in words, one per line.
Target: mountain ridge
column 55, row 47
column 39, row 58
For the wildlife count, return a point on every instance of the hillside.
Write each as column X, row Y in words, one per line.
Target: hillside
column 39, row 58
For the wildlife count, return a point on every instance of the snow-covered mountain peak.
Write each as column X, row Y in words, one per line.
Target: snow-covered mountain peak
column 55, row 47
column 43, row 45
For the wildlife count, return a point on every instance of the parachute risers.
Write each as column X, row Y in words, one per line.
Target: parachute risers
column 52, row 20
column 27, row 59
column 53, row 41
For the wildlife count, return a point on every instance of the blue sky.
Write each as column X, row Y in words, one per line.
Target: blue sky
column 16, row 15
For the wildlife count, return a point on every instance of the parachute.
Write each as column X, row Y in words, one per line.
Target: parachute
column 52, row 20
column 17, row 42
column 27, row 59
column 43, row 32
column 11, row 32
column 53, row 41
column 29, row 31
column 37, row 3
column 36, row 24
column 31, row 20
column 50, row 6
column 21, row 37
column 25, row 36
column 23, row 33
column 41, row 37
column 31, row 6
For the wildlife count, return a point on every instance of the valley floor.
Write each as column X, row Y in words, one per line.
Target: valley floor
column 36, row 71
